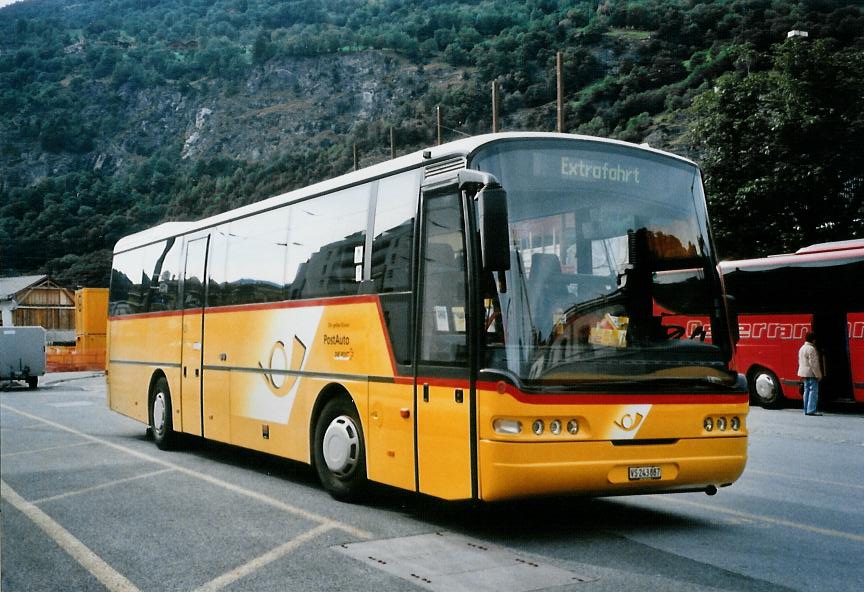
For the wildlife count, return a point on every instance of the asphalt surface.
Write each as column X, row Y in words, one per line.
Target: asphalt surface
column 89, row 503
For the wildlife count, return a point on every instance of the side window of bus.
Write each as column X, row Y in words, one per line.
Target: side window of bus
column 165, row 275
column 394, row 232
column 255, row 261
column 392, row 265
column 125, row 296
column 217, row 286
column 444, row 337
column 146, row 279
column 326, row 238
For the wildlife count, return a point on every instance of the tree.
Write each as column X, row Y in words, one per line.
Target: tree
column 782, row 150
column 262, row 49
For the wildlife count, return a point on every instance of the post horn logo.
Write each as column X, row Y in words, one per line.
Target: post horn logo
column 630, row 421
column 281, row 376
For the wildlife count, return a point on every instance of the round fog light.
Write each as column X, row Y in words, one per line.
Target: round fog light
column 573, row 427
column 709, row 424
column 721, row 424
column 537, row 427
column 555, row 426
column 735, row 423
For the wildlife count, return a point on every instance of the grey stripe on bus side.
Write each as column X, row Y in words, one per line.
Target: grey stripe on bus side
column 145, row 363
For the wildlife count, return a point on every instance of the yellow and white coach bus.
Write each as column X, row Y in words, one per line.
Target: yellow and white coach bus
column 485, row 319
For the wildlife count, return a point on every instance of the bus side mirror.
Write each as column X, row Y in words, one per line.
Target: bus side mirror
column 494, row 228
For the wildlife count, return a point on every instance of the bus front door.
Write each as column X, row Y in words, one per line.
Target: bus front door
column 443, row 392
column 193, row 335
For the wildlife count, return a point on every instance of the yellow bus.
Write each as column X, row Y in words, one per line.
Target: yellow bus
column 479, row 320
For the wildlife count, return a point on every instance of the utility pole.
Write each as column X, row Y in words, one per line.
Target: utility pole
column 560, row 72
column 438, row 117
column 355, row 157
column 494, row 106
column 392, row 143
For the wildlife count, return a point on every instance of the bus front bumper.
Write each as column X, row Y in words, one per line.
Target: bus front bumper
column 516, row 469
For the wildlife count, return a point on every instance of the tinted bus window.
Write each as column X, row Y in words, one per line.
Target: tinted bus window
column 255, row 262
column 217, row 286
column 125, row 295
column 165, row 278
column 146, row 279
column 392, row 263
column 394, row 232
column 325, row 244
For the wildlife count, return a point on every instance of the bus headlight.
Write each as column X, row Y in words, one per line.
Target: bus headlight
column 537, row 427
column 735, row 423
column 573, row 427
column 555, row 426
column 721, row 424
column 509, row 427
column 708, row 424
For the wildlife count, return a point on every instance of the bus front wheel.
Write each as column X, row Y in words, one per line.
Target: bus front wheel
column 765, row 389
column 161, row 423
column 339, row 451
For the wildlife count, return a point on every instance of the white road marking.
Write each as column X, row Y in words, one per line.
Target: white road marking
column 311, row 516
column 811, row 480
column 72, row 404
column 760, row 518
column 38, row 450
column 259, row 562
column 98, row 487
column 103, row 572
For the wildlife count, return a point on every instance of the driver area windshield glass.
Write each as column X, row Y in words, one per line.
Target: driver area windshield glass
column 611, row 278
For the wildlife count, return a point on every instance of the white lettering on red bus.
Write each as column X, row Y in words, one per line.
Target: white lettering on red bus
column 781, row 331
column 856, row 330
column 693, row 325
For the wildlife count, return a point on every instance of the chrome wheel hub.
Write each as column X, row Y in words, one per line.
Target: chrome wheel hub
column 765, row 386
column 159, row 413
column 341, row 446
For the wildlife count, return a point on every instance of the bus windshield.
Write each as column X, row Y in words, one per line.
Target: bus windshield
column 610, row 263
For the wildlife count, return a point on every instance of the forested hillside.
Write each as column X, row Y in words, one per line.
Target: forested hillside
column 118, row 114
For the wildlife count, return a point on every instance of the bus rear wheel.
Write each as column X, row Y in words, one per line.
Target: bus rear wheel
column 161, row 424
column 765, row 389
column 339, row 451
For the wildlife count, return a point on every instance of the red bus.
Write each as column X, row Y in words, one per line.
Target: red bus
column 779, row 298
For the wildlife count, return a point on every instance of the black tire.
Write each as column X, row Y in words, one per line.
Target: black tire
column 765, row 389
column 161, row 421
column 339, row 451
column 32, row 382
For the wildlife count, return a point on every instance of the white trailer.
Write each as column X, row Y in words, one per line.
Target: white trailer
column 22, row 354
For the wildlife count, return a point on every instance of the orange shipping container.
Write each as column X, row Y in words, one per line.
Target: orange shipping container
column 90, row 343
column 91, row 312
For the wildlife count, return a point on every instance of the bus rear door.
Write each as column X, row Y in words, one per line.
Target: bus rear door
column 193, row 334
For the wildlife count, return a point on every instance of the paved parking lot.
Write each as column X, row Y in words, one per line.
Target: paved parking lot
column 89, row 503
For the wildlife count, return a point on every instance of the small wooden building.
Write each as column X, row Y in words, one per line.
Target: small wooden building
column 36, row 300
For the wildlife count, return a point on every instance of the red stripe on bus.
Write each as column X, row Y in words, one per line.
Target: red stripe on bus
column 586, row 398
column 335, row 301
column 614, row 399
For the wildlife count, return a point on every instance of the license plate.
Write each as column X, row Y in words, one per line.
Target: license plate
column 640, row 473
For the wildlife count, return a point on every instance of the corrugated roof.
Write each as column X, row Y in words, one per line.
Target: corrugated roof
column 10, row 286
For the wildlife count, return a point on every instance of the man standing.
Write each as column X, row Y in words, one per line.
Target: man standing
column 810, row 371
